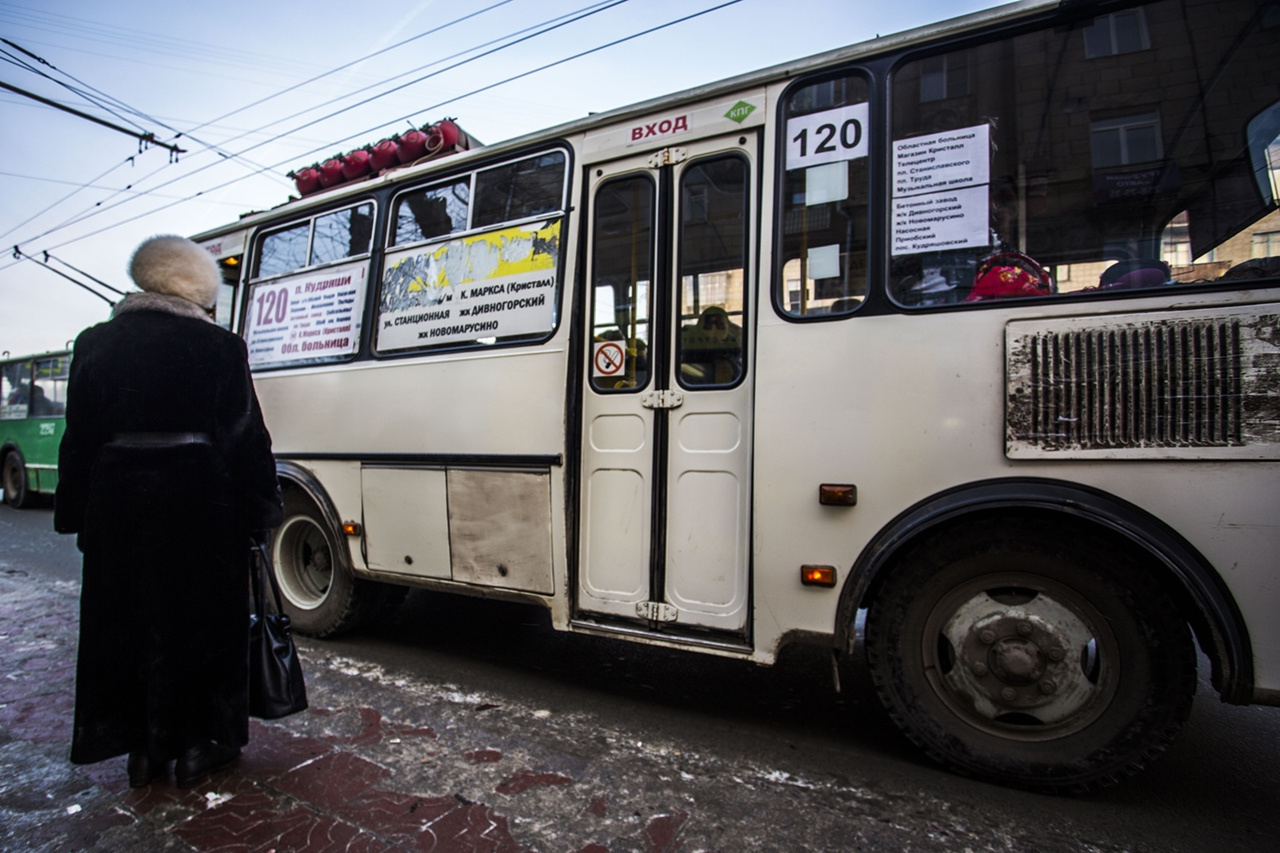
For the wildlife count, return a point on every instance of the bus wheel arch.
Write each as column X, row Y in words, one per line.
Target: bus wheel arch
column 925, row 586
column 1201, row 596
column 322, row 595
column 1010, row 656
column 17, row 491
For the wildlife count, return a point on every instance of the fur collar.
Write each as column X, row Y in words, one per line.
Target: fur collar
column 162, row 302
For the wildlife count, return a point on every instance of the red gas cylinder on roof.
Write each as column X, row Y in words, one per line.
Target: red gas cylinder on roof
column 435, row 141
column 412, row 146
column 331, row 172
column 355, row 164
column 306, row 180
column 383, row 155
column 450, row 133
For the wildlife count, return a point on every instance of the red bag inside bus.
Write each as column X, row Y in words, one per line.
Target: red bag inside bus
column 1005, row 275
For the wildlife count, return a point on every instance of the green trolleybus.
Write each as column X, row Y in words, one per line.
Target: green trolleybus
column 33, row 400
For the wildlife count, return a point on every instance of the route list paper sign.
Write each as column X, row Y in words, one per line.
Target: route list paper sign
column 483, row 286
column 940, row 194
column 302, row 318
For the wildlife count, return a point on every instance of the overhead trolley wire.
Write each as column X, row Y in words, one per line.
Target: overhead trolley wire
column 525, row 35
column 366, row 132
column 347, row 65
column 23, row 256
column 259, row 169
column 145, row 136
column 21, row 63
column 79, row 188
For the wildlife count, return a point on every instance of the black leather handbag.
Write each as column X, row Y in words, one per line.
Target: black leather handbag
column 276, row 685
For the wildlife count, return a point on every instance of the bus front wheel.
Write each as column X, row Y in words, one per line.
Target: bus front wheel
column 16, row 493
column 1029, row 656
column 321, row 596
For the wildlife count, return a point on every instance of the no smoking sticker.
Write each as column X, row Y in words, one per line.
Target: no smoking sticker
column 609, row 359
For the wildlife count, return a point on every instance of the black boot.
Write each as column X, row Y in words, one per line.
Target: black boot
column 145, row 769
column 195, row 764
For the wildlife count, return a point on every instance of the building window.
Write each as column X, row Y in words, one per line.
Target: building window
column 1121, row 32
column 1125, row 141
column 1266, row 244
column 943, row 77
column 1175, row 243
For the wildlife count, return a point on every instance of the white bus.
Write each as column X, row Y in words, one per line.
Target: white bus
column 969, row 332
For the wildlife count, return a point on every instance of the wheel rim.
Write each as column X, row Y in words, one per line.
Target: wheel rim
column 1020, row 656
column 12, row 479
column 304, row 562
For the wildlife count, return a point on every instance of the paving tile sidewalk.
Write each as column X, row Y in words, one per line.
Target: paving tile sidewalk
column 301, row 785
column 396, row 758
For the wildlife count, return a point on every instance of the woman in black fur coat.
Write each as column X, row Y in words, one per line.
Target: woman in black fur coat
column 165, row 474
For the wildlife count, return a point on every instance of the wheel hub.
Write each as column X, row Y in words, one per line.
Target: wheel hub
column 1014, row 660
column 1027, row 665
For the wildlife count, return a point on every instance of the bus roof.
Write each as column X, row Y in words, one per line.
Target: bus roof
column 784, row 71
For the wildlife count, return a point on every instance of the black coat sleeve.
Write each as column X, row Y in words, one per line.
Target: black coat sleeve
column 245, row 443
column 80, row 441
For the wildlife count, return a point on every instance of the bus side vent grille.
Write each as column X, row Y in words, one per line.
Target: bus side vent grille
column 1170, row 385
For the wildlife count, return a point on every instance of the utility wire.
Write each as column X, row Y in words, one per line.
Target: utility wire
column 446, row 102
column 98, row 98
column 20, row 255
column 217, row 149
column 345, row 66
column 555, row 23
column 95, row 280
column 533, row 71
column 79, row 188
column 145, row 138
column 524, row 35
column 21, row 63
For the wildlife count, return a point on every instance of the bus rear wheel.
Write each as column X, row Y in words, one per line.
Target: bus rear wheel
column 321, row 595
column 1031, row 657
column 16, row 493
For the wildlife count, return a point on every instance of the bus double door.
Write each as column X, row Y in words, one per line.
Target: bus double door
column 666, row 433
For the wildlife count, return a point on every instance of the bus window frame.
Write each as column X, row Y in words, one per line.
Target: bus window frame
column 399, row 195
column 28, row 363
column 894, row 63
column 258, row 236
column 386, row 248
column 873, row 76
column 250, row 282
column 746, row 351
column 591, row 290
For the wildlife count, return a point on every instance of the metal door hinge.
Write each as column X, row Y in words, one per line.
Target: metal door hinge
column 662, row 399
column 656, row 611
column 667, row 157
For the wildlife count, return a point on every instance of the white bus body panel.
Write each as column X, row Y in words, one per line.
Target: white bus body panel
column 948, row 427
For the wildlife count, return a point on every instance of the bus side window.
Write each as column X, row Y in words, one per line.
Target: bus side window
column 994, row 155
column 432, row 212
column 519, row 190
column 49, row 393
column 284, row 251
column 824, row 205
column 15, row 390
column 342, row 234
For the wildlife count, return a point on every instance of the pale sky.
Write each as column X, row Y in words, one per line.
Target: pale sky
column 84, row 193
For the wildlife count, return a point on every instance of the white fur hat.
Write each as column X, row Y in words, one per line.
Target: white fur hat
column 177, row 267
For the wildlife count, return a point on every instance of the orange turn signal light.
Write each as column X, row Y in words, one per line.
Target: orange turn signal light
column 351, row 528
column 818, row 575
column 838, row 494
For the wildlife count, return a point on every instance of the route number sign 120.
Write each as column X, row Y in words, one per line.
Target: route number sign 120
column 827, row 137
